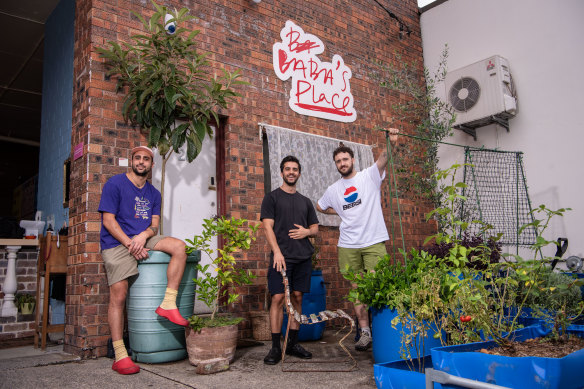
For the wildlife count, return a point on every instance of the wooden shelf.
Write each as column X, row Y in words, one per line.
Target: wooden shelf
column 19, row 242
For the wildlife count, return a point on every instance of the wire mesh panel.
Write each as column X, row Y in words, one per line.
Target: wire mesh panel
column 497, row 195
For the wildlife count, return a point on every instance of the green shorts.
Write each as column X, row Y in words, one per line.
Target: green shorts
column 120, row 264
column 361, row 260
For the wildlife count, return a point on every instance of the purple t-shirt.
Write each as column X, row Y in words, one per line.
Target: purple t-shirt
column 132, row 206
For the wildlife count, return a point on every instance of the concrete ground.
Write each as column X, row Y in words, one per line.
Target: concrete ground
column 26, row 367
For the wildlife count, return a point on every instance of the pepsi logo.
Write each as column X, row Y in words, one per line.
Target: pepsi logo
column 351, row 194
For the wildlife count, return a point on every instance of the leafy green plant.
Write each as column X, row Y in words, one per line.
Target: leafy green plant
column 216, row 281
column 431, row 117
column 24, row 298
column 170, row 93
column 197, row 323
column 553, row 297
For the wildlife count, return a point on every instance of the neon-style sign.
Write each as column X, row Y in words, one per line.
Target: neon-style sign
column 320, row 89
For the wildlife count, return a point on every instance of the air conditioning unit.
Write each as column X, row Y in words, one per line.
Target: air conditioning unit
column 482, row 93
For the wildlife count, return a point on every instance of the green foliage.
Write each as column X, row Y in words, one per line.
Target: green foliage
column 215, row 283
column 431, row 117
column 170, row 93
column 458, row 302
column 168, row 81
column 197, row 323
column 553, row 297
column 24, row 298
column 383, row 286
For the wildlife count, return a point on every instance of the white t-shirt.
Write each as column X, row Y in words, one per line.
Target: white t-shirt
column 358, row 202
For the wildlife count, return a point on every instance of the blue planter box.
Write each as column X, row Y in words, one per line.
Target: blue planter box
column 398, row 374
column 387, row 340
column 513, row 372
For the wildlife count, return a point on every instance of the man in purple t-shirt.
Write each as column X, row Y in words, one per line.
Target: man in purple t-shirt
column 130, row 215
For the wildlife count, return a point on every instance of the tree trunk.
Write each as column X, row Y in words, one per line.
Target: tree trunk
column 165, row 159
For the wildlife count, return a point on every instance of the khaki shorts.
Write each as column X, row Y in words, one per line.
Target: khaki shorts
column 360, row 260
column 120, row 264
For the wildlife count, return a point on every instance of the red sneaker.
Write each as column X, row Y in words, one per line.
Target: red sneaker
column 125, row 366
column 173, row 315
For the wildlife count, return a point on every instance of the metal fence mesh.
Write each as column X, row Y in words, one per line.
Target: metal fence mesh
column 497, row 195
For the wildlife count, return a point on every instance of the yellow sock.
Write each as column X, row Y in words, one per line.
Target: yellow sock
column 169, row 301
column 120, row 349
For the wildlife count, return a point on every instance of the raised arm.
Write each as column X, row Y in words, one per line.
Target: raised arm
column 382, row 159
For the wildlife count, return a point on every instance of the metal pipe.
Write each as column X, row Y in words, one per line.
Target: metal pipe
column 445, row 378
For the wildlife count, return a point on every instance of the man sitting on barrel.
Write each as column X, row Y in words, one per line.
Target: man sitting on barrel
column 130, row 215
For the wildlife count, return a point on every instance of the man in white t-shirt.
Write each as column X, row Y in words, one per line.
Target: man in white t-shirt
column 356, row 198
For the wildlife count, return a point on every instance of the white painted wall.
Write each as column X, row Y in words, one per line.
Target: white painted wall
column 188, row 198
column 542, row 40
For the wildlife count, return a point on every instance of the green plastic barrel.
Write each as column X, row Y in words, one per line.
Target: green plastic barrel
column 154, row 339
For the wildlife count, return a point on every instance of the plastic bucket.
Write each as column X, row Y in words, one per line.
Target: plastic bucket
column 313, row 302
column 387, row 340
column 154, row 339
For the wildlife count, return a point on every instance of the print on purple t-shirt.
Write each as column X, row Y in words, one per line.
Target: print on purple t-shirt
column 132, row 206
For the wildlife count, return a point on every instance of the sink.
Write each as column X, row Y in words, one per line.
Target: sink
column 32, row 227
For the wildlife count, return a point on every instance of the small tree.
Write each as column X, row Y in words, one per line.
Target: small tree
column 170, row 93
column 218, row 285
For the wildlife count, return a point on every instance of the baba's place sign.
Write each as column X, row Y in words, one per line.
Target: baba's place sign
column 320, row 89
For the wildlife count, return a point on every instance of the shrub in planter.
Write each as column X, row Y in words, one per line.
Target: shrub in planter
column 490, row 249
column 216, row 283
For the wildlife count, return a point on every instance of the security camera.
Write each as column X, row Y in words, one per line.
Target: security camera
column 169, row 26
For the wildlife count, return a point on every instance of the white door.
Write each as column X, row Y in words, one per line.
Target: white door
column 190, row 195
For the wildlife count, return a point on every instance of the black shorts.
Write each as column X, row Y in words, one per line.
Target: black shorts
column 298, row 274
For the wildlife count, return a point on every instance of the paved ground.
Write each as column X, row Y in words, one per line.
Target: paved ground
column 25, row 367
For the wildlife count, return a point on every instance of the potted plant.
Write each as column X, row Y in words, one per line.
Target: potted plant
column 522, row 281
column 460, row 301
column 215, row 336
column 170, row 92
column 25, row 302
column 556, row 301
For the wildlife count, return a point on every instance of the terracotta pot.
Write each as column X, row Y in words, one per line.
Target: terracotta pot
column 210, row 343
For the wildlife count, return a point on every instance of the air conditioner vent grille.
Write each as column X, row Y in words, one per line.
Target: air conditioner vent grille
column 464, row 94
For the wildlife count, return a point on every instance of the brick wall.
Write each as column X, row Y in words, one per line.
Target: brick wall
column 238, row 34
column 20, row 326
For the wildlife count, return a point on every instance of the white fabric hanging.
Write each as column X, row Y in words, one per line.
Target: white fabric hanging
column 315, row 154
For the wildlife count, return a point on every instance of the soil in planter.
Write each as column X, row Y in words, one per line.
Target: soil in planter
column 539, row 347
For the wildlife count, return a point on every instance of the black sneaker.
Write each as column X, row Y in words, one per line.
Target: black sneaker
column 298, row 351
column 273, row 357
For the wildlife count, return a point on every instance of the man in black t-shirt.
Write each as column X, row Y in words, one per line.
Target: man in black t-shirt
column 289, row 219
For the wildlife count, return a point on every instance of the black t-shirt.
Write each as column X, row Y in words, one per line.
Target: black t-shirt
column 287, row 209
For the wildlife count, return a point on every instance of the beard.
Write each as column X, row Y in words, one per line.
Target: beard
column 347, row 173
column 139, row 173
column 290, row 183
